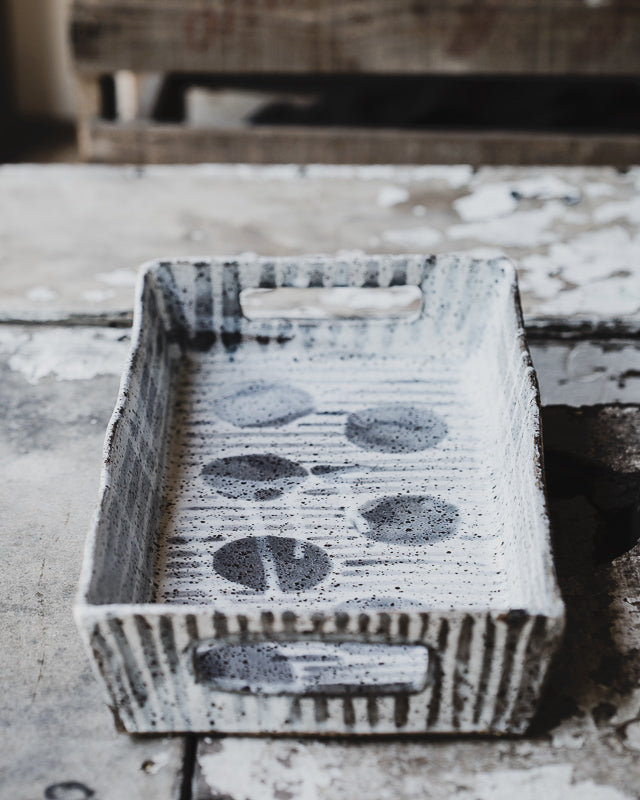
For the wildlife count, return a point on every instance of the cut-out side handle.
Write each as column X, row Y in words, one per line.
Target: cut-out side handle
column 336, row 302
column 313, row 667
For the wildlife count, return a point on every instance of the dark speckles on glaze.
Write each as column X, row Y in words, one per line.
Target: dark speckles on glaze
column 410, row 519
column 257, row 476
column 395, row 428
column 258, row 404
column 264, row 562
column 275, row 572
column 240, row 665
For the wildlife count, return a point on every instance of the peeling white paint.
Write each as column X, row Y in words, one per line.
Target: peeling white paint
column 41, row 294
column 610, row 297
column 596, row 254
column 596, row 189
column 553, row 782
column 500, row 198
column 620, row 209
column 259, row 770
column 520, row 229
column 566, row 736
column 416, row 238
column 534, row 278
column 389, row 196
column 546, row 186
column 118, row 277
column 67, row 354
column 488, row 201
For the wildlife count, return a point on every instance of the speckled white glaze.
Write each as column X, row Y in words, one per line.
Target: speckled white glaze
column 371, row 481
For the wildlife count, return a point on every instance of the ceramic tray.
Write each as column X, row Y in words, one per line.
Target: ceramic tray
column 323, row 525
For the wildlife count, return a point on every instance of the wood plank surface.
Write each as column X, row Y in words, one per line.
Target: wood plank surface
column 375, row 36
column 149, row 143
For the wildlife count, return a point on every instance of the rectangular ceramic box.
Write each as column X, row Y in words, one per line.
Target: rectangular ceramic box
column 333, row 525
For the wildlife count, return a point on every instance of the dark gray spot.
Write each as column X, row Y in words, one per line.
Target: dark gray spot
column 257, row 476
column 366, row 603
column 255, row 561
column 395, row 428
column 244, row 664
column 259, row 404
column 68, row 790
column 331, row 469
column 409, row 519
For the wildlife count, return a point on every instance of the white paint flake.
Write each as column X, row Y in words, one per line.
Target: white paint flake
column 607, row 298
column 596, row 189
column 67, row 354
column 545, row 186
column 521, row 229
column 534, row 277
column 500, row 198
column 628, row 210
column 487, row 202
column 596, row 272
column 554, row 782
column 41, row 294
column 389, row 196
column 254, row 768
column 597, row 254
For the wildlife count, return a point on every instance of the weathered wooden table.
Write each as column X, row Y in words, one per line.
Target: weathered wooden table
column 70, row 239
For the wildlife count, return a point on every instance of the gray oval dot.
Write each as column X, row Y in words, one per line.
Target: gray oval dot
column 259, row 404
column 409, row 519
column 255, row 561
column 257, row 476
column 395, row 428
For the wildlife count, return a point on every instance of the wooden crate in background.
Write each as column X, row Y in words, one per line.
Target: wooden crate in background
column 131, row 39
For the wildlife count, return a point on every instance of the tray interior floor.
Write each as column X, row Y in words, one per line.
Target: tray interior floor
column 320, row 482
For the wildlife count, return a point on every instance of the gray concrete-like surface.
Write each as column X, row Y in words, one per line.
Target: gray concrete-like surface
column 58, row 734
column 72, row 237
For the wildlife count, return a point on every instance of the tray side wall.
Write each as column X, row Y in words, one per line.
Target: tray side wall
column 200, row 301
column 486, row 673
column 488, row 666
column 509, row 379
column 121, row 546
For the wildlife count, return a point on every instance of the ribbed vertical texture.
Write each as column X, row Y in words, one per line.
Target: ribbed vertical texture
column 484, row 676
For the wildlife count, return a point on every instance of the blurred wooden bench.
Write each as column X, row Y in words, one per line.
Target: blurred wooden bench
column 133, row 42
